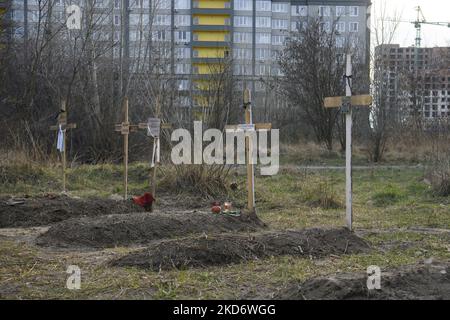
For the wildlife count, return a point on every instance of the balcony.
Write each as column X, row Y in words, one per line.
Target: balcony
column 211, row 6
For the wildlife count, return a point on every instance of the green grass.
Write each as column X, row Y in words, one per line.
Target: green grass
column 386, row 203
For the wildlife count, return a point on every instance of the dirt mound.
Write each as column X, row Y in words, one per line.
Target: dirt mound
column 139, row 228
column 39, row 211
column 234, row 248
column 430, row 282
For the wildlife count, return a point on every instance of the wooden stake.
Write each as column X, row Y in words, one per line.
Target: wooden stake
column 62, row 122
column 348, row 147
column 249, row 153
column 125, row 148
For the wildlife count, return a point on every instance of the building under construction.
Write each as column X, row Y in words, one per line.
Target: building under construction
column 415, row 81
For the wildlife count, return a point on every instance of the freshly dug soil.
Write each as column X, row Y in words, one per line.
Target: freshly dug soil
column 39, row 211
column 140, row 228
column 225, row 249
column 430, row 282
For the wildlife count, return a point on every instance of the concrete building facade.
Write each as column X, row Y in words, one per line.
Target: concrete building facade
column 415, row 80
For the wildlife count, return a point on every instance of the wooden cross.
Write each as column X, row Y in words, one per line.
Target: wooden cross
column 154, row 125
column 125, row 128
column 249, row 125
column 63, row 126
column 346, row 103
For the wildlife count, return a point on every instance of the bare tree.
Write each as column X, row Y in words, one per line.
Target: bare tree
column 383, row 117
column 313, row 66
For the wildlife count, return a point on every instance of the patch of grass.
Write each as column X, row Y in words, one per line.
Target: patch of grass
column 389, row 196
column 319, row 193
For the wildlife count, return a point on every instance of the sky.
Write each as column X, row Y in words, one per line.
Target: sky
column 433, row 10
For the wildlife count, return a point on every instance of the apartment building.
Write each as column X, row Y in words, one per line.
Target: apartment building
column 415, row 79
column 4, row 5
column 198, row 34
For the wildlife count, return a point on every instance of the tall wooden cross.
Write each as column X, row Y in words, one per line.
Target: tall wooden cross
column 346, row 104
column 125, row 128
column 153, row 125
column 249, row 126
column 62, row 126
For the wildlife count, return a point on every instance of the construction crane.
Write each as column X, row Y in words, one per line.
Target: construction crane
column 418, row 25
column 420, row 20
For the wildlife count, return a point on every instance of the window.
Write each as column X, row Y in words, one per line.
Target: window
column 263, row 22
column 242, row 54
column 162, row 4
column 242, row 37
column 353, row 26
column 280, row 24
column 324, row 11
column 182, row 36
column 262, row 54
column 182, row 20
column 242, row 69
column 182, row 53
column 162, row 20
column 262, row 38
column 116, row 20
column 340, row 11
column 100, row 19
column 280, row 7
column 278, row 40
column 117, row 4
column 354, row 11
column 263, row 5
column 183, row 84
column 243, row 5
column 276, row 71
column 262, row 69
column 182, row 4
column 161, row 35
column 243, row 21
column 260, row 86
column 182, row 68
column 340, row 41
column 340, row 27
column 299, row 11
column 135, row 35
column 325, row 26
column 100, row 3
column 296, row 26
column 17, row 15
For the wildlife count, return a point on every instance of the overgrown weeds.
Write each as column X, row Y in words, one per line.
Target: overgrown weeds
column 205, row 180
column 319, row 192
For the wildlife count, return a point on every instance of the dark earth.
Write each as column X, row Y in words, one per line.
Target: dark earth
column 140, row 228
column 429, row 281
column 45, row 210
column 214, row 250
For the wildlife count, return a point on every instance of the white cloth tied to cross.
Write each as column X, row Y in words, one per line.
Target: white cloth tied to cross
column 60, row 144
column 153, row 128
